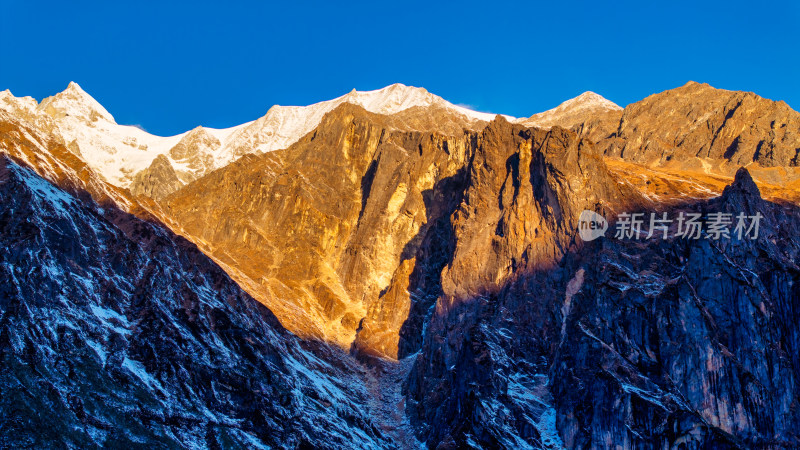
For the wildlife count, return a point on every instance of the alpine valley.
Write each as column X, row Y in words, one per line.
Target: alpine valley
column 389, row 270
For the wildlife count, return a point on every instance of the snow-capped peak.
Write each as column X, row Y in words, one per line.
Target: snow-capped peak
column 391, row 99
column 590, row 100
column 75, row 102
column 571, row 110
column 284, row 125
column 586, row 101
column 398, row 97
column 16, row 104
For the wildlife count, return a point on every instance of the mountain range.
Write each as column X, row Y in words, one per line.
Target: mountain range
column 390, row 270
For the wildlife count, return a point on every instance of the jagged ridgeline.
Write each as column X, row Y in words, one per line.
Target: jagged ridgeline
column 388, row 270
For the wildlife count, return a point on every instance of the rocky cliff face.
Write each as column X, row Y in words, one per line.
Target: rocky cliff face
column 114, row 332
column 524, row 192
column 639, row 344
column 319, row 230
column 464, row 253
column 698, row 121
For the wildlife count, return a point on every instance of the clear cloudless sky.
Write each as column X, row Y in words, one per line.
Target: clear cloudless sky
column 170, row 66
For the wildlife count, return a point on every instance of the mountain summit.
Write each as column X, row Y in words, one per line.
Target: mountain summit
column 75, row 102
column 589, row 114
column 571, row 111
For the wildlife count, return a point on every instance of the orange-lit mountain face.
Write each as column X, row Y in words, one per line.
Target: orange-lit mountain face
column 437, row 245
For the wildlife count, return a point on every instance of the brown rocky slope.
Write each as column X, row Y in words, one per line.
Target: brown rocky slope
column 699, row 121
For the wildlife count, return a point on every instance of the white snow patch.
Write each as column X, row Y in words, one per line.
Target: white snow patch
column 98, row 348
column 547, row 429
column 137, row 369
column 56, row 197
column 105, row 315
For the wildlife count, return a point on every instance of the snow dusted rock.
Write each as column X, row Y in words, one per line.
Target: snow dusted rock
column 33, row 140
column 74, row 102
column 284, row 125
column 114, row 151
column 116, row 333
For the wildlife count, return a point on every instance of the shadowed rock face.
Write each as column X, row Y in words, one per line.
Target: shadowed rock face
column 525, row 191
column 697, row 120
column 114, row 332
column 635, row 343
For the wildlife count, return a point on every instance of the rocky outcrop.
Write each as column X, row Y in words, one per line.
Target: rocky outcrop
column 698, row 121
column 193, row 157
column 157, row 181
column 115, row 332
column 526, row 189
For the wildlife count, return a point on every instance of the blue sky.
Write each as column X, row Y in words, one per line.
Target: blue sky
column 171, row 67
